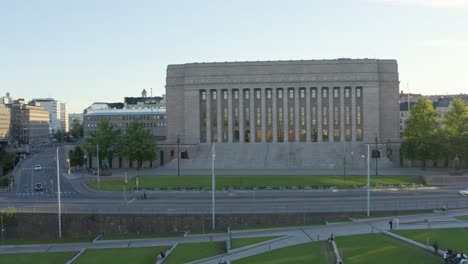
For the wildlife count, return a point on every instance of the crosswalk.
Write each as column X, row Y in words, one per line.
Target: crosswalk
column 43, row 168
column 25, row 194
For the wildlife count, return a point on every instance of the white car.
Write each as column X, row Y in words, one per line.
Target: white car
column 37, row 167
column 463, row 192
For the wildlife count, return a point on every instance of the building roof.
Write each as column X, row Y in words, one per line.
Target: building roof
column 115, row 112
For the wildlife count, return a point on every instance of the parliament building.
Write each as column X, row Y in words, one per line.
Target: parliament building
column 284, row 114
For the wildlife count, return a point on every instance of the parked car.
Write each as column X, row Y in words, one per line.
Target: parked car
column 38, row 187
column 463, row 192
column 38, row 168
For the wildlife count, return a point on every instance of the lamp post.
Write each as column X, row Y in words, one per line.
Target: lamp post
column 178, row 156
column 213, row 183
column 97, row 156
column 368, row 180
column 84, row 166
column 58, row 197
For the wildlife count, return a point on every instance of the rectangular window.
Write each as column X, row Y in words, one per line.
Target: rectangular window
column 269, row 116
column 347, row 119
column 324, row 93
column 358, row 92
column 291, row 93
column 314, row 120
column 336, row 92
column 225, row 95
column 257, row 94
column 291, row 116
column 203, row 95
column 302, row 116
column 236, row 94
column 258, row 116
column 347, row 92
column 337, row 116
column 325, row 118
column 269, row 94
column 280, row 94
column 247, row 94
column 314, row 93
column 214, row 95
column 358, row 115
column 302, row 93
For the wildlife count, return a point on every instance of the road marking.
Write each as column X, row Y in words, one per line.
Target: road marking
column 131, row 200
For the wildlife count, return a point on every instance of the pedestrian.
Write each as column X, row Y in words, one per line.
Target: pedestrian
column 390, row 223
column 436, row 248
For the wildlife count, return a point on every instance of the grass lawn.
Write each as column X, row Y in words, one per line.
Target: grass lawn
column 36, row 258
column 140, row 236
column 144, row 255
column 454, row 238
column 462, row 217
column 256, row 181
column 392, row 213
column 26, row 241
column 307, row 253
column 242, row 242
column 184, row 253
column 378, row 248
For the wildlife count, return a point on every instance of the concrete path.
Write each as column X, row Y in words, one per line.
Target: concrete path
column 294, row 236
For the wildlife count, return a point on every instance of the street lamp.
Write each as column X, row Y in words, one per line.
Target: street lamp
column 178, row 156
column 368, row 180
column 84, row 167
column 58, row 197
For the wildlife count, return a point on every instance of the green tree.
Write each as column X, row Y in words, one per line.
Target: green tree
column 106, row 137
column 76, row 130
column 138, row 143
column 455, row 129
column 420, row 134
column 76, row 157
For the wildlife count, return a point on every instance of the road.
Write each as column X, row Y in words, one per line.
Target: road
column 77, row 199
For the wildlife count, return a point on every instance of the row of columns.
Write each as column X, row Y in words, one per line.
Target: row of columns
column 297, row 116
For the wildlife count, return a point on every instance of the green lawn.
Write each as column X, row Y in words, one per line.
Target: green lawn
column 146, row 255
column 257, row 181
column 462, row 217
column 378, row 248
column 26, row 241
column 313, row 252
column 242, row 242
column 36, row 258
column 454, row 238
column 140, row 236
column 184, row 253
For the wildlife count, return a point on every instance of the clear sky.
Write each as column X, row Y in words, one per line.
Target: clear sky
column 103, row 50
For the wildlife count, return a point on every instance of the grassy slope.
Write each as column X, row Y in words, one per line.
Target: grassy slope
column 184, row 253
column 120, row 255
column 377, row 248
column 36, row 258
column 262, row 181
column 242, row 242
column 454, row 238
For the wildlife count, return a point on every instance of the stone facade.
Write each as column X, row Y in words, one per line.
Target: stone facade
column 332, row 107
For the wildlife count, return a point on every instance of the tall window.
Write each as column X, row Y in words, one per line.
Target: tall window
column 269, row 116
column 258, row 119
column 358, row 115
column 314, row 114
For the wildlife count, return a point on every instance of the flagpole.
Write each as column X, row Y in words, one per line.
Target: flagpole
column 213, row 183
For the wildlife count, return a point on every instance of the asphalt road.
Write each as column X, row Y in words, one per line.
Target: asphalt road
column 78, row 199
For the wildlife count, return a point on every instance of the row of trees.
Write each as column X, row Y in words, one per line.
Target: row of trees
column 428, row 138
column 135, row 142
column 76, row 132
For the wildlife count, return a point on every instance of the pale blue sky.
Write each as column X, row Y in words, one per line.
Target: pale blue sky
column 102, row 50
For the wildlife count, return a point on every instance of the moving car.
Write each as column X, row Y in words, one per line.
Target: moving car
column 37, row 167
column 38, row 187
column 463, row 192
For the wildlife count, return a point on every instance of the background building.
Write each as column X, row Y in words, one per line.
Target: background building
column 285, row 114
column 73, row 117
column 4, row 123
column 58, row 114
column 29, row 122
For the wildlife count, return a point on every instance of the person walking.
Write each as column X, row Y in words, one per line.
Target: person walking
column 436, row 248
column 390, row 223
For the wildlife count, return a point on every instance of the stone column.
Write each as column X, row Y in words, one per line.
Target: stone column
column 331, row 116
column 219, row 118
column 252, row 116
column 308, row 116
column 297, row 115
column 342, row 113
column 285, row 115
column 353, row 113
column 263, row 111
column 241, row 116
column 274, row 115
column 319, row 115
column 208, row 116
column 230, row 116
